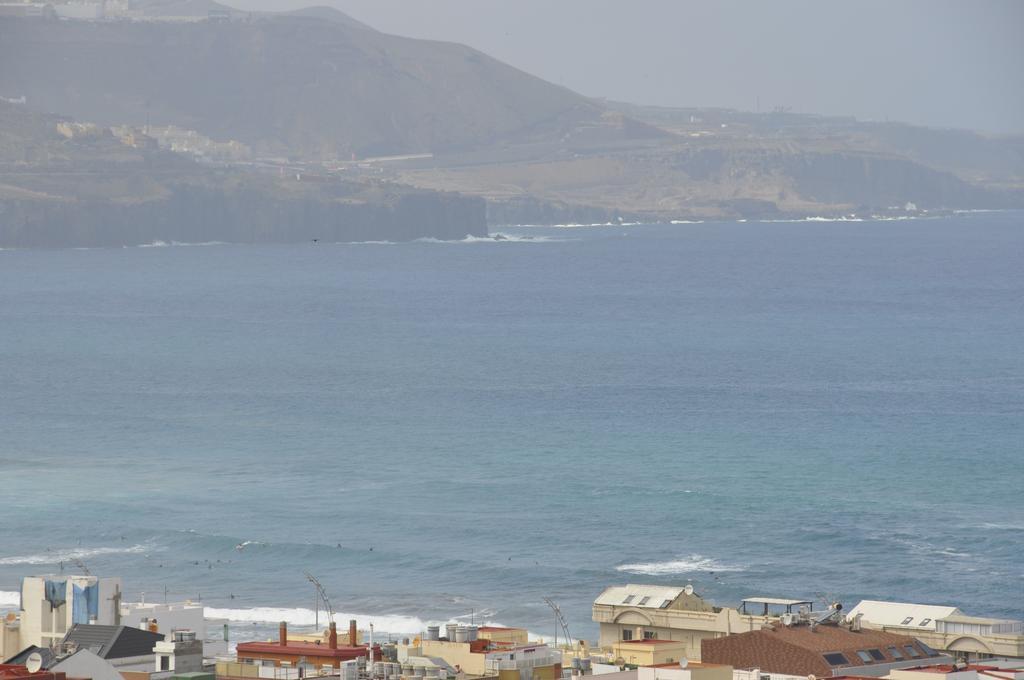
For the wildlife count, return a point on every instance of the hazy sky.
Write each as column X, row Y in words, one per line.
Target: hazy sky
column 938, row 62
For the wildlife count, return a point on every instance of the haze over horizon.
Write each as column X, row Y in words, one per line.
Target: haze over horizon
column 940, row 64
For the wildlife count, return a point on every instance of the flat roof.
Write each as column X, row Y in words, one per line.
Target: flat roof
column 963, row 618
column 776, row 600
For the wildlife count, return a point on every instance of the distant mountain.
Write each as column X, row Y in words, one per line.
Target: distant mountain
column 312, row 83
column 68, row 184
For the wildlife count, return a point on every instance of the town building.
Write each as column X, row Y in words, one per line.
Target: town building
column 647, row 612
column 818, row 646
column 692, row 671
column 945, row 628
column 488, row 651
column 959, row 671
column 52, row 605
column 308, row 658
column 20, row 672
column 165, row 618
column 650, row 652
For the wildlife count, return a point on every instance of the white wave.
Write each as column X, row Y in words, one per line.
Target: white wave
column 299, row 616
column 492, row 238
column 681, row 565
column 367, row 243
column 168, row 244
column 68, row 554
column 9, row 599
column 686, row 222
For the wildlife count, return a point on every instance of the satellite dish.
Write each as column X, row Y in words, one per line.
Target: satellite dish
column 811, row 677
column 34, row 662
column 688, row 589
column 683, row 663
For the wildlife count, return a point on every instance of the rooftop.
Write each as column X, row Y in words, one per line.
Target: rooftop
column 803, row 650
column 113, row 642
column 635, row 595
column 902, row 614
column 317, row 649
column 776, row 601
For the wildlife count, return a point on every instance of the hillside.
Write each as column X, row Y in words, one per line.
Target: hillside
column 66, row 184
column 307, row 84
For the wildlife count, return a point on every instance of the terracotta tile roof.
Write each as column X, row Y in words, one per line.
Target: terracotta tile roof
column 799, row 650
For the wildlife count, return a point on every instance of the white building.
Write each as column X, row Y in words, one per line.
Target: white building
column 945, row 628
column 167, row 618
column 52, row 604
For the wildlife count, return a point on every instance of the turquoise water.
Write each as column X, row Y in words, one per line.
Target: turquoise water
column 786, row 409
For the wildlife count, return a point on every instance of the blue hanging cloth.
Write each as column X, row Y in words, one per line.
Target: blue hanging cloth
column 55, row 593
column 92, row 598
column 79, row 608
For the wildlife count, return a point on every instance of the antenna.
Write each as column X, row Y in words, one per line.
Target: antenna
column 81, row 565
column 560, row 622
column 321, row 596
column 34, row 662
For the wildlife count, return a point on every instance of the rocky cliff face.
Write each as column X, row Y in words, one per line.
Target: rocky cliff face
column 197, row 215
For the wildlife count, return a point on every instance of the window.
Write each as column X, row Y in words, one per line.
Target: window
column 864, row 656
column 629, row 599
column 911, row 652
column 644, row 600
column 665, row 604
column 895, row 653
column 627, row 635
column 876, row 654
column 925, row 622
column 165, row 662
column 650, row 635
column 907, row 621
column 836, row 659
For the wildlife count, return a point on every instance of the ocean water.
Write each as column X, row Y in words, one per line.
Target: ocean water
column 443, row 430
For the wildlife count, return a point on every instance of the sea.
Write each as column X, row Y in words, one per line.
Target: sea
column 454, row 431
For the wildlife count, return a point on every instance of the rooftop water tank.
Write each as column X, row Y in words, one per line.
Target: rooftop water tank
column 433, row 632
column 450, row 630
column 474, row 632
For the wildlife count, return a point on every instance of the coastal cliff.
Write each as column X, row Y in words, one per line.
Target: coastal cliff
column 197, row 215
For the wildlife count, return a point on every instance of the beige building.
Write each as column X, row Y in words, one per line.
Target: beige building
column 945, row 628
column 649, row 652
column 51, row 605
column 645, row 612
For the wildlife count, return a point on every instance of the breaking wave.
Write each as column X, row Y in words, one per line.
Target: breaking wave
column 9, row 599
column 66, row 555
column 166, row 244
column 681, row 565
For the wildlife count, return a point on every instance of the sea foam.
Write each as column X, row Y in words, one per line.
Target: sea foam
column 681, row 565
column 66, row 555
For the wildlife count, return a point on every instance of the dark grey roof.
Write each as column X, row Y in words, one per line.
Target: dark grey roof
column 21, row 657
column 113, row 642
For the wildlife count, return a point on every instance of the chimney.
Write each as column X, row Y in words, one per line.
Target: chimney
column 352, row 638
column 332, row 639
column 282, row 634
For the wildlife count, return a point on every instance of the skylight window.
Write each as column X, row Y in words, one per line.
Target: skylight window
column 644, row 600
column 876, row 654
column 864, row 656
column 629, row 599
column 907, row 621
column 895, row 653
column 925, row 622
column 665, row 604
column 836, row 659
column 911, row 652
